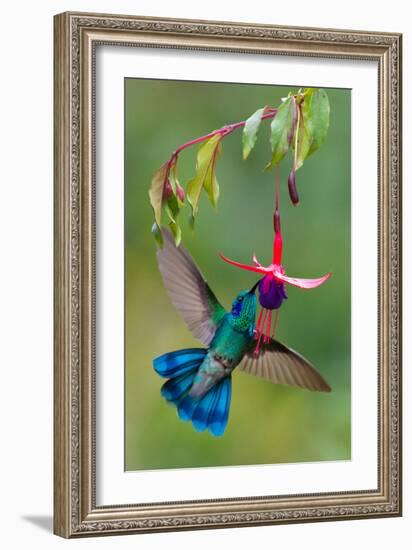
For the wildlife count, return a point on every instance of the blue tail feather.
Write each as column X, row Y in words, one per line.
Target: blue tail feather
column 178, row 362
column 175, row 388
column 202, row 410
column 210, row 411
column 219, row 415
column 205, row 408
column 186, row 407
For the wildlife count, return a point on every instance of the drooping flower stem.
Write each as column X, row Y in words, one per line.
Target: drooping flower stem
column 277, row 241
column 265, row 329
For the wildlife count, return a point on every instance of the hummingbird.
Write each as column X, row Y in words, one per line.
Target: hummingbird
column 199, row 380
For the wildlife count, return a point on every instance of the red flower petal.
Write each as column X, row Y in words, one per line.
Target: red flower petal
column 244, row 266
column 302, row 283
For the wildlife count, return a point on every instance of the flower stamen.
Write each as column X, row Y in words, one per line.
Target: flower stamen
column 275, row 323
column 266, row 339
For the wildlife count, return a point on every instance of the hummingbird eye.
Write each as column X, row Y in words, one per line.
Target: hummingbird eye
column 240, row 299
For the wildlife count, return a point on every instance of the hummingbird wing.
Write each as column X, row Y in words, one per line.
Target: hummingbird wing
column 282, row 365
column 188, row 290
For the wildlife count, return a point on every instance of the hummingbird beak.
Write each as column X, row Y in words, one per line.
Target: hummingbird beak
column 252, row 290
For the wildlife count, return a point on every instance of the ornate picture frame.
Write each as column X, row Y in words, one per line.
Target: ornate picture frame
column 76, row 36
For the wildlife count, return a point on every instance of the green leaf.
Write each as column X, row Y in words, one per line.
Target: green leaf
column 156, row 192
column 211, row 185
column 191, row 221
column 173, row 178
column 280, row 128
column 304, row 138
column 157, row 234
column 319, row 118
column 314, row 124
column 177, row 232
column 207, row 156
column 175, row 184
column 172, row 208
column 250, row 131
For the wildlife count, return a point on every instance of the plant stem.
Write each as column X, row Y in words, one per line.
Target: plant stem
column 277, row 241
column 224, row 131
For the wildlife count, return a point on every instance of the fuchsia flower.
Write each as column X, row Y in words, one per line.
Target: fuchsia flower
column 272, row 286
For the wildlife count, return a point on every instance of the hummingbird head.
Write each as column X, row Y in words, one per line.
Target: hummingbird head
column 243, row 311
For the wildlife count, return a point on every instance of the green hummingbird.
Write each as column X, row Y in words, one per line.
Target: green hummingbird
column 199, row 379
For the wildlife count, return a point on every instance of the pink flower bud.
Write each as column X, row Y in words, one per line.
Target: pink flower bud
column 180, row 193
column 276, row 221
column 167, row 191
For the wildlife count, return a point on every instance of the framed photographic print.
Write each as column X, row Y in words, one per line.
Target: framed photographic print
column 227, row 274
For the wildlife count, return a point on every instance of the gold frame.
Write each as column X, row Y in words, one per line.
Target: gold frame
column 75, row 38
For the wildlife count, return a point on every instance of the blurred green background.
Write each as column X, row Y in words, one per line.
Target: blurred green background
column 267, row 423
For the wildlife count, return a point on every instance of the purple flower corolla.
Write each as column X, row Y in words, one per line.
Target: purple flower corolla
column 271, row 293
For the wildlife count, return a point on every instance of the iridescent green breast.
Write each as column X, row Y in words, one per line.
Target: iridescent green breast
column 231, row 342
